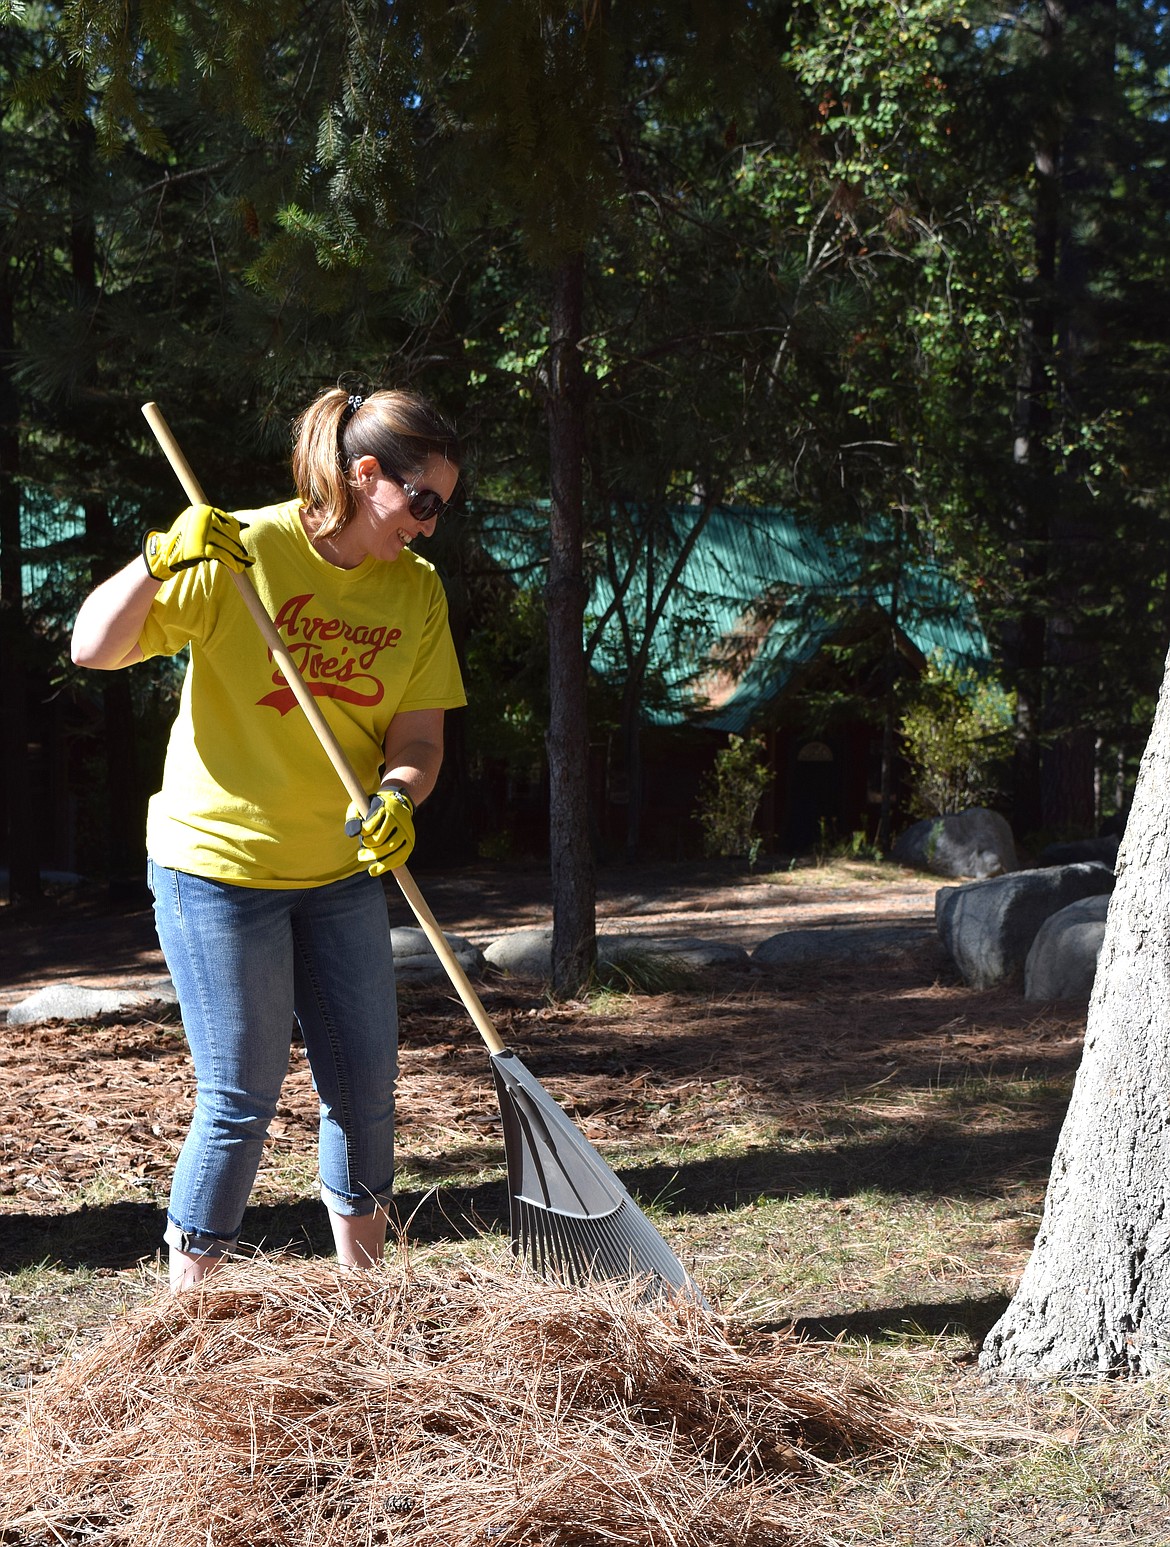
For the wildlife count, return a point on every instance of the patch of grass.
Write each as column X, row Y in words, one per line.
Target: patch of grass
column 975, row 1093
column 877, row 1264
column 606, row 1000
column 45, row 1309
column 1083, row 1465
column 112, row 1185
column 835, row 870
column 639, row 972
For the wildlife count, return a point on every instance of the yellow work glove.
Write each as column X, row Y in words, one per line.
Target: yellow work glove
column 201, row 534
column 387, row 833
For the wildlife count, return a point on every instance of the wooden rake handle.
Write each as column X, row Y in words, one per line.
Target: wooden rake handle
column 333, row 749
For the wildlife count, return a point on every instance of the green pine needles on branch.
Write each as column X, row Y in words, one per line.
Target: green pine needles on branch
column 956, row 733
column 730, row 797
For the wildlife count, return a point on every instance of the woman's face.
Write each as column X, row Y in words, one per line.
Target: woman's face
column 386, row 523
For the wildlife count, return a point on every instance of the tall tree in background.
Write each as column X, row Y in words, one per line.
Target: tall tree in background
column 1074, row 92
column 103, row 268
column 1061, row 123
column 969, row 187
column 24, row 162
column 518, row 130
column 554, row 107
column 21, row 831
column 790, row 253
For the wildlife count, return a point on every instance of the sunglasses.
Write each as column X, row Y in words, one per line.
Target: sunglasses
column 425, row 504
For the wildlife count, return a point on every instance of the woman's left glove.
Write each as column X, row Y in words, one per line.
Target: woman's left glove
column 199, row 536
column 387, row 832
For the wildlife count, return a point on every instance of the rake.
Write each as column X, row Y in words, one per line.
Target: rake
column 570, row 1216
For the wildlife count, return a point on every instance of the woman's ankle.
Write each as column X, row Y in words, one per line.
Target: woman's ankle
column 187, row 1270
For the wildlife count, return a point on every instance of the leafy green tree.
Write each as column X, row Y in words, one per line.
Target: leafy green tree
column 957, row 733
column 974, row 171
column 103, row 308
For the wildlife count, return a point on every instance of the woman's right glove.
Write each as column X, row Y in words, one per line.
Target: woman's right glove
column 201, row 534
column 387, row 832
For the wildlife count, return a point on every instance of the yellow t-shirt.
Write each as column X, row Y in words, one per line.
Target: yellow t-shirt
column 248, row 795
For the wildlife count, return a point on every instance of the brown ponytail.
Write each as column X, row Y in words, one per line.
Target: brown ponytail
column 401, row 429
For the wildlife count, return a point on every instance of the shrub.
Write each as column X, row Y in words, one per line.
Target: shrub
column 730, row 796
column 955, row 732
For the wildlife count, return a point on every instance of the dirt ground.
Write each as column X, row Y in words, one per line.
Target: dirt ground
column 80, row 936
column 868, row 1141
column 79, row 1103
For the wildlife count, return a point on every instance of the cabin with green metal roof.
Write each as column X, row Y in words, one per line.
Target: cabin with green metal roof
column 749, row 621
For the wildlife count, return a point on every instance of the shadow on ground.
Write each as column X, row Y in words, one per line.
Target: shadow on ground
column 120, row 1235
column 942, row 1160
column 975, row 1318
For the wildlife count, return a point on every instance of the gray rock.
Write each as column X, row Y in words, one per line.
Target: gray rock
column 71, row 1002
column 826, row 943
column 612, row 950
column 1102, row 851
column 416, row 962
column 975, row 843
column 1063, row 960
column 527, row 953
column 989, row 926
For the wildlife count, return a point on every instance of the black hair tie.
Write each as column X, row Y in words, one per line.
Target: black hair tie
column 352, row 404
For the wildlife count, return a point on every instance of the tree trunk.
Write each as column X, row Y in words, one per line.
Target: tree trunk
column 125, row 799
column 125, row 805
column 1058, row 528
column 21, row 823
column 573, row 879
column 1025, row 634
column 632, row 749
column 1089, row 33
column 890, row 672
column 1095, row 1297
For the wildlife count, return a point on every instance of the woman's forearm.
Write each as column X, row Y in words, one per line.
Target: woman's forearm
column 105, row 635
column 414, row 752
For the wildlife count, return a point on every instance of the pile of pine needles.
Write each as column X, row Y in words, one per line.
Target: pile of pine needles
column 445, row 1403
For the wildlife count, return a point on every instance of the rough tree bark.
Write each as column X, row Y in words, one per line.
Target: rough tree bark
column 21, row 828
column 125, row 841
column 573, row 877
column 1095, row 1297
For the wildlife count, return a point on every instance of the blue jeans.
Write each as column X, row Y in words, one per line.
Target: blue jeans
column 245, row 961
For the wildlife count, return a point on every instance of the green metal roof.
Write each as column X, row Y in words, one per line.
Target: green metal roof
column 761, row 592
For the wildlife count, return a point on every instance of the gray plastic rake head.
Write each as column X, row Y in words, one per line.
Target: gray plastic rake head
column 571, row 1217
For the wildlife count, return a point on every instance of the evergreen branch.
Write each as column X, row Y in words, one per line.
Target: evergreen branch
column 173, row 179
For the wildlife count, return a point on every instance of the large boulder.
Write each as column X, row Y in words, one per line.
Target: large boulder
column 1063, row 960
column 415, row 960
column 74, row 1002
column 1082, row 851
column 976, row 843
column 845, row 944
column 681, row 950
column 989, row 926
column 527, row 953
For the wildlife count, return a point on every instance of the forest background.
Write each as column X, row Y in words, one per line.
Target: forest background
column 860, row 260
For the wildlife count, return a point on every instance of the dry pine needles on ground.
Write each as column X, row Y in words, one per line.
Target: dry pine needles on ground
column 443, row 1403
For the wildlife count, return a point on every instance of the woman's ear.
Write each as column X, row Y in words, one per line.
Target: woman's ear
column 365, row 467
